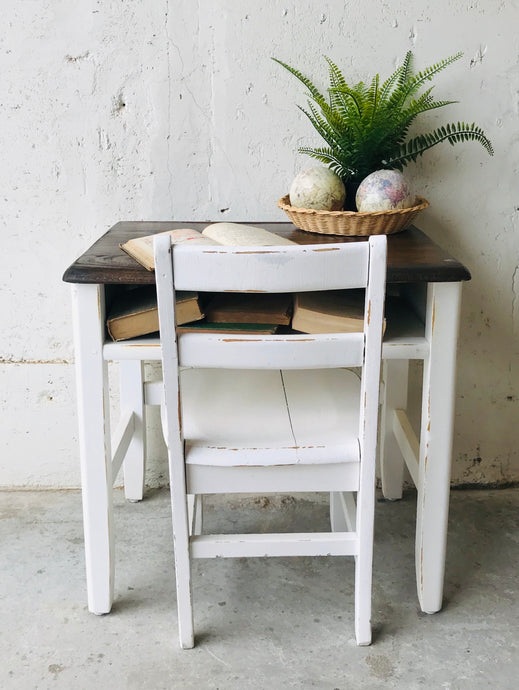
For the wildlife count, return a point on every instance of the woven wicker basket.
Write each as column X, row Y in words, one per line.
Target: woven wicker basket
column 352, row 222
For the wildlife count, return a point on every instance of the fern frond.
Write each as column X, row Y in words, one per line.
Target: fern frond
column 428, row 73
column 331, row 127
column 422, row 106
column 336, row 76
column 415, row 82
column 314, row 91
column 336, row 80
column 327, row 153
column 327, row 156
column 403, row 119
column 453, row 133
column 387, row 86
column 362, row 91
column 407, row 67
column 373, row 96
column 349, row 94
column 319, row 124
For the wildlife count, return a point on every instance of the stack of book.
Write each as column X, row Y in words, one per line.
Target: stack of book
column 239, row 312
column 135, row 312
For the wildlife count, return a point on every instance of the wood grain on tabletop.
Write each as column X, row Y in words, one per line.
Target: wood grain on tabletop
column 412, row 255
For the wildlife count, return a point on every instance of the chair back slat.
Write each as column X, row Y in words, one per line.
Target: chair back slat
column 296, row 268
column 271, row 351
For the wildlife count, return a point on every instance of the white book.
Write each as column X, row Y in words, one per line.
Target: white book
column 243, row 235
column 230, row 234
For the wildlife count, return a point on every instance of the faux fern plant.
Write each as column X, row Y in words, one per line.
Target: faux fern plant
column 366, row 126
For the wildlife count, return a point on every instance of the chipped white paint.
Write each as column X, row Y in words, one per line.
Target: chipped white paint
column 195, row 122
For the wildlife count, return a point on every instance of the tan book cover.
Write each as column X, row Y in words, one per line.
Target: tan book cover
column 135, row 312
column 232, row 234
column 335, row 311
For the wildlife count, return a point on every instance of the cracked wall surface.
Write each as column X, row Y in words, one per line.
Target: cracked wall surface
column 173, row 110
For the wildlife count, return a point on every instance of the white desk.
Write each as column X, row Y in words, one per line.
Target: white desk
column 431, row 278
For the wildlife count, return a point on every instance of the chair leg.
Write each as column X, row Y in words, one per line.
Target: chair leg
column 364, row 566
column 184, row 601
column 363, row 598
column 182, row 567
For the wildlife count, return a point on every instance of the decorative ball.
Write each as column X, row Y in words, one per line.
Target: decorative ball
column 384, row 190
column 318, row 188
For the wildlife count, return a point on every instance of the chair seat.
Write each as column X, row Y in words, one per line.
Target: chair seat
column 258, row 418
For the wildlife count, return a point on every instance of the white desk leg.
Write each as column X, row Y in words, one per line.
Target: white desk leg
column 441, row 330
column 394, row 397
column 132, row 396
column 94, row 444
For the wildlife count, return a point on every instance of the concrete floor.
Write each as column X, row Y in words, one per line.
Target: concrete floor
column 266, row 624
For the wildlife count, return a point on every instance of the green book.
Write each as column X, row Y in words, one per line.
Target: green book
column 218, row 327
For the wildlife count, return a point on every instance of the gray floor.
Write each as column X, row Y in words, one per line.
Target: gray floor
column 277, row 623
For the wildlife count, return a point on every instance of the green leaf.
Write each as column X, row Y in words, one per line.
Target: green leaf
column 453, row 133
column 314, row 91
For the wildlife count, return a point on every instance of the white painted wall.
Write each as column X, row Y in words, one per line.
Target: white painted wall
column 165, row 110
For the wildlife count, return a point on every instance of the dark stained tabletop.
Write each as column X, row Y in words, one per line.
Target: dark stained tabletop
column 412, row 256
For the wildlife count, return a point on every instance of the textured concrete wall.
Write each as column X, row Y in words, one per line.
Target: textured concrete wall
column 173, row 110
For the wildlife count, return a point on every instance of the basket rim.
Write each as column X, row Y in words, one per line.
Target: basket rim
column 284, row 204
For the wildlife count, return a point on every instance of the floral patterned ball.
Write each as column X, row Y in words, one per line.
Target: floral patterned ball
column 384, row 190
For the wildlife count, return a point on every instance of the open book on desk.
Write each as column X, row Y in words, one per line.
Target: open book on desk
column 230, row 234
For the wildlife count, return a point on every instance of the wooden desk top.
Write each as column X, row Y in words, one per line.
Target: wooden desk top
column 412, row 256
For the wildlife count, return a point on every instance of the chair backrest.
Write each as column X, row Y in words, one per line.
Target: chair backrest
column 293, row 268
column 290, row 268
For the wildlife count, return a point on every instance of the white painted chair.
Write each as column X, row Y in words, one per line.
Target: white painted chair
column 272, row 413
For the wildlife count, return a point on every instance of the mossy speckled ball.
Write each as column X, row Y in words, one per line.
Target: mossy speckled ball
column 318, row 188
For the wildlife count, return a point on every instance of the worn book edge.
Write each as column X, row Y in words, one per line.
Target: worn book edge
column 337, row 311
column 131, row 318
